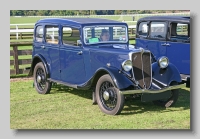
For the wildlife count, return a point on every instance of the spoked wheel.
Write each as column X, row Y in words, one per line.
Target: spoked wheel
column 42, row 86
column 109, row 99
column 170, row 101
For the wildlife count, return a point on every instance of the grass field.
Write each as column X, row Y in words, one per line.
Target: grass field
column 67, row 108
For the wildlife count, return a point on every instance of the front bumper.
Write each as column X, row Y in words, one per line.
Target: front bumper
column 186, row 79
column 152, row 91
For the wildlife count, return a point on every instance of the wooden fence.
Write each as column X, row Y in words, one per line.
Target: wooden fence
column 16, row 61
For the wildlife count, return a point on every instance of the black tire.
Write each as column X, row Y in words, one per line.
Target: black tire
column 109, row 99
column 41, row 84
column 170, row 101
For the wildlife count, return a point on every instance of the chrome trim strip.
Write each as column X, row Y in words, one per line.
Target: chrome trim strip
column 125, row 92
column 156, row 85
column 160, row 82
column 141, row 58
column 151, row 68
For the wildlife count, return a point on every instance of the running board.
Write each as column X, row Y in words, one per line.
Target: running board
column 63, row 83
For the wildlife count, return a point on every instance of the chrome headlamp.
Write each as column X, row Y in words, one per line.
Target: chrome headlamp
column 127, row 65
column 163, row 62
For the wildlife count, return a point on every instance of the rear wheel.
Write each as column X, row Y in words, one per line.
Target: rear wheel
column 109, row 99
column 41, row 84
column 170, row 101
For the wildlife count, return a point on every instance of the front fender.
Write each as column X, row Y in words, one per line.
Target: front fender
column 39, row 58
column 121, row 81
column 167, row 75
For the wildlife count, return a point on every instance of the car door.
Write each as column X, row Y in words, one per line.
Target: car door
column 155, row 39
column 71, row 56
column 178, row 50
column 51, row 50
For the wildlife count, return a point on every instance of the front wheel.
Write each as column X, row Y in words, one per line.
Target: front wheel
column 170, row 101
column 41, row 84
column 109, row 99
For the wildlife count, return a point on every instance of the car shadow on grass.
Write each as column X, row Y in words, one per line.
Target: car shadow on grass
column 135, row 106
column 132, row 105
column 58, row 88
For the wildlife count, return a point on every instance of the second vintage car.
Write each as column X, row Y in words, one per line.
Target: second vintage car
column 91, row 53
column 167, row 36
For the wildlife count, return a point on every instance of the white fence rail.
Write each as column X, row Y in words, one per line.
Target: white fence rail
column 17, row 31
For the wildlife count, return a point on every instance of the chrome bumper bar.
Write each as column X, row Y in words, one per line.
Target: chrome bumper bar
column 125, row 92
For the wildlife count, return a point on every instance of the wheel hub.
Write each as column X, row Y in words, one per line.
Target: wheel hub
column 39, row 78
column 106, row 95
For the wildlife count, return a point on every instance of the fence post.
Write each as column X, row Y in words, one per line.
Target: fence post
column 16, row 66
column 131, row 31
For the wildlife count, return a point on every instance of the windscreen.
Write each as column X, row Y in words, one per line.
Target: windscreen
column 105, row 34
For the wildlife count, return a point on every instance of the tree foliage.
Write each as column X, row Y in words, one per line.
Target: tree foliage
column 85, row 12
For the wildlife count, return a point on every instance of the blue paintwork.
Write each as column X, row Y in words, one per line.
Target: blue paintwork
column 51, row 54
column 64, row 64
column 120, row 81
column 177, row 52
column 153, row 45
column 39, row 58
column 167, row 75
column 72, row 65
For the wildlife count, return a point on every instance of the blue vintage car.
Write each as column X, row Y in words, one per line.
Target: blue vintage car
column 167, row 36
column 90, row 53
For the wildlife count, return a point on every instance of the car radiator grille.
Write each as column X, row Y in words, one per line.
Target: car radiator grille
column 142, row 69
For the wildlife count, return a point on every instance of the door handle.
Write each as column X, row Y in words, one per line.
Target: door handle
column 43, row 47
column 165, row 44
column 80, row 53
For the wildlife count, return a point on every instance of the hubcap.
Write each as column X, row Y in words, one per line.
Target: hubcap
column 105, row 95
column 39, row 78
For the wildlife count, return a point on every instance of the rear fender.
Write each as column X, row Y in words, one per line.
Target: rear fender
column 36, row 59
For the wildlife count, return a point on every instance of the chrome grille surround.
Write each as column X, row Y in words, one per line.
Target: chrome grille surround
column 142, row 70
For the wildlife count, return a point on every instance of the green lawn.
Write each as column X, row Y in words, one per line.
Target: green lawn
column 68, row 108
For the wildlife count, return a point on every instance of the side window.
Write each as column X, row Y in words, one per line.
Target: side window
column 70, row 36
column 179, row 32
column 52, row 34
column 39, row 33
column 158, row 30
column 143, row 29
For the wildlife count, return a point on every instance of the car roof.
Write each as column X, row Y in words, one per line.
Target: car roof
column 166, row 18
column 79, row 21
